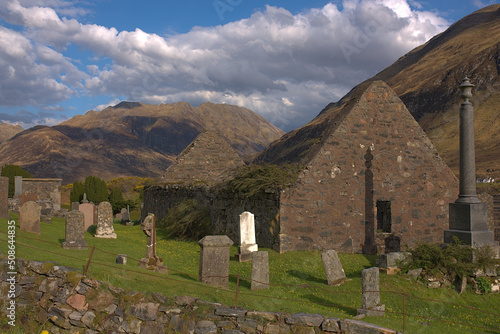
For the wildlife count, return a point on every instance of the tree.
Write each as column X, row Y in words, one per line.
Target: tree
column 96, row 189
column 116, row 200
column 76, row 194
column 11, row 171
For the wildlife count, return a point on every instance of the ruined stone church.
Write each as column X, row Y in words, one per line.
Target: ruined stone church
column 371, row 182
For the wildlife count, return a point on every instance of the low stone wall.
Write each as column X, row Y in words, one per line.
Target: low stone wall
column 62, row 300
column 224, row 207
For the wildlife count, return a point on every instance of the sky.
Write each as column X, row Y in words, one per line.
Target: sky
column 285, row 60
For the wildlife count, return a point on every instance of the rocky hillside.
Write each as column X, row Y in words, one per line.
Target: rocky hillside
column 426, row 80
column 8, row 131
column 132, row 139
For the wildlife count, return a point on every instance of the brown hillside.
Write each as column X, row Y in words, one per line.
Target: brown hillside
column 132, row 139
column 8, row 131
column 426, row 80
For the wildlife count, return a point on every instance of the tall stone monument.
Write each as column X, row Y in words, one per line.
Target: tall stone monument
column 105, row 221
column 4, row 197
column 151, row 261
column 75, row 231
column 248, row 244
column 468, row 216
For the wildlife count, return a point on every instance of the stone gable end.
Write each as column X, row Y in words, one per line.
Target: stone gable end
column 378, row 157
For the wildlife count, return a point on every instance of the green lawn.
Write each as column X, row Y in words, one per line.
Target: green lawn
column 298, row 281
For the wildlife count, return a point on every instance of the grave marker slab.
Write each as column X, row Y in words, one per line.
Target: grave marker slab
column 90, row 213
column 121, row 259
column 247, row 237
column 75, row 206
column 4, row 197
column 18, row 185
column 75, row 231
column 260, row 270
column 370, row 304
column 105, row 228
column 126, row 217
column 29, row 217
column 214, row 259
column 335, row 274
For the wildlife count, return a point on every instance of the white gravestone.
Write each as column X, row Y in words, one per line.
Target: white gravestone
column 248, row 243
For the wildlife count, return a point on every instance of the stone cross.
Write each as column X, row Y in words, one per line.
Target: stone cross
column 105, row 221
column 335, row 274
column 260, row 270
column 4, row 197
column 468, row 216
column 247, row 237
column 214, row 260
column 370, row 304
column 75, row 231
column 151, row 261
column 90, row 213
column 29, row 217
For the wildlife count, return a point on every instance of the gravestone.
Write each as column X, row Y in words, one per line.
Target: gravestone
column 247, row 237
column 75, row 231
column 105, row 228
column 4, row 197
column 126, row 217
column 335, row 274
column 29, row 197
column 75, row 206
column 151, row 261
column 90, row 213
column 392, row 260
column 121, row 259
column 370, row 303
column 18, row 185
column 214, row 259
column 260, row 270
column 29, row 217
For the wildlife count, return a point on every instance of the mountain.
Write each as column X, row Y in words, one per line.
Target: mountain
column 132, row 139
column 427, row 79
column 8, row 131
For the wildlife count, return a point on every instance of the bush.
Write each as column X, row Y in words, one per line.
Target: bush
column 11, row 171
column 483, row 285
column 96, row 190
column 76, row 194
column 189, row 220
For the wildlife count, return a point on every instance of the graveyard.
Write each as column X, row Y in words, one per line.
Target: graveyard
column 298, row 282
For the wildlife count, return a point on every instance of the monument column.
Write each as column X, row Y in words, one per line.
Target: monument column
column 468, row 216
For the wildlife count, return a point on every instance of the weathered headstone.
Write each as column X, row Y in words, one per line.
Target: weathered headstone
column 18, row 185
column 126, row 217
column 75, row 231
column 335, row 274
column 121, row 259
column 391, row 260
column 105, row 221
column 260, row 270
column 28, row 197
column 29, row 217
column 247, row 237
column 370, row 300
column 151, row 261
column 75, row 206
column 214, row 259
column 4, row 197
column 90, row 212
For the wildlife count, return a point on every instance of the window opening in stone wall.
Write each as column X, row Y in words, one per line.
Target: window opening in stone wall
column 384, row 216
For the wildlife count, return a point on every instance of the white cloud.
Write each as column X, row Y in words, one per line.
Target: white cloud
column 273, row 62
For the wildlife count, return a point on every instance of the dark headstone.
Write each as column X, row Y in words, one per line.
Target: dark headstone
column 214, row 260
column 75, row 231
column 121, row 259
column 125, row 216
column 335, row 274
column 4, row 197
column 29, row 217
column 260, row 270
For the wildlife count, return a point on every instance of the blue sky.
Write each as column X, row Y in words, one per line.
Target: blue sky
column 285, row 60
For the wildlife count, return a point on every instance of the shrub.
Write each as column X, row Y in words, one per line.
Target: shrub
column 188, row 220
column 11, row 171
column 483, row 285
column 76, row 194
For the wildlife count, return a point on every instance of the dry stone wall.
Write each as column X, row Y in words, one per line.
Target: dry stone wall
column 61, row 300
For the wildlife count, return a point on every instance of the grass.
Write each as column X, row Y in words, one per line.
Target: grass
column 298, row 280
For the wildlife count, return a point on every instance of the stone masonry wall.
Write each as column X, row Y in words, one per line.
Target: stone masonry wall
column 378, row 152
column 47, row 191
column 224, row 206
column 61, row 300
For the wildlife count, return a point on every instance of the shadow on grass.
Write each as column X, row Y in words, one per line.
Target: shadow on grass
column 322, row 301
column 372, row 259
column 306, row 277
column 243, row 282
column 186, row 277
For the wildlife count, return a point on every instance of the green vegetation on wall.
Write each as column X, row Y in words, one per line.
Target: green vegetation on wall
column 11, row 171
column 188, row 220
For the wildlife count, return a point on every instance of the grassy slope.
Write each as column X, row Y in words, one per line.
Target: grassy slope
column 294, row 268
